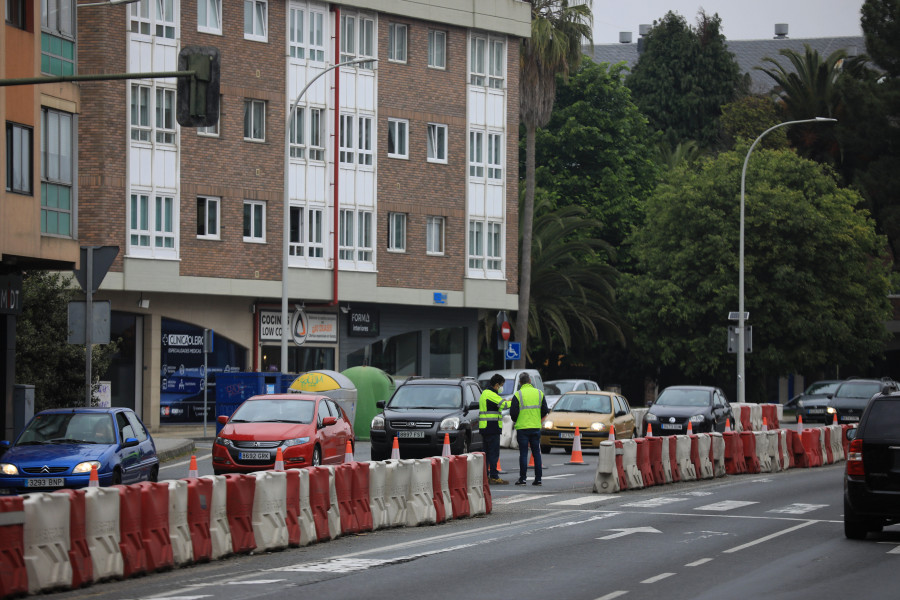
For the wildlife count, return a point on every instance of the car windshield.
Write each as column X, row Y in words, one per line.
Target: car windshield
column 564, row 386
column 427, row 396
column 275, row 411
column 671, row 397
column 823, row 387
column 69, row 428
column 583, row 403
column 858, row 389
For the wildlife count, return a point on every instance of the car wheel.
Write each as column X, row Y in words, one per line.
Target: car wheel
column 546, row 449
column 316, row 457
column 154, row 474
column 854, row 527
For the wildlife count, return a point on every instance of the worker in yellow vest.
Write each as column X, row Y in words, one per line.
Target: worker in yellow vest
column 489, row 423
column 529, row 407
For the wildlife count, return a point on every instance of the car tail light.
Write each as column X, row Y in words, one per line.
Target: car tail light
column 855, row 466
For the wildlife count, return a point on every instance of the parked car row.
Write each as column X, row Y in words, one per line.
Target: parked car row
column 824, row 399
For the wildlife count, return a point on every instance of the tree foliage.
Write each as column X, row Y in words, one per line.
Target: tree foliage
column 816, row 279
column 683, row 77
column 881, row 28
column 747, row 117
column 44, row 358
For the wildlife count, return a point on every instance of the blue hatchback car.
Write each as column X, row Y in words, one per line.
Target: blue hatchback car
column 58, row 448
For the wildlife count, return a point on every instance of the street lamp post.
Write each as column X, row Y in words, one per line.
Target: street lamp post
column 285, row 245
column 741, row 387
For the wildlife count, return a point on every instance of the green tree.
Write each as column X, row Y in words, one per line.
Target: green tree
column 816, row 279
column 747, row 117
column 558, row 29
column 43, row 356
column 683, row 77
column 881, row 28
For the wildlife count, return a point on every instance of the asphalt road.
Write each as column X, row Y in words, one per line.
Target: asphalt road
column 764, row 536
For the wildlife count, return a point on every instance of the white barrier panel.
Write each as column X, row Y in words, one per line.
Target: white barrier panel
column 334, row 509
column 717, row 440
column 706, row 466
column 762, row 451
column 666, row 460
column 683, row 458
column 396, row 487
column 756, row 417
column 47, row 541
column 179, row 530
column 774, row 453
column 639, row 419
column 508, row 437
column 101, row 529
column 219, row 529
column 629, row 464
column 475, row 483
column 736, row 410
column 305, row 518
column 420, row 497
column 377, row 501
column 606, row 479
column 822, row 445
column 783, row 441
column 270, row 510
column 837, row 446
column 445, row 488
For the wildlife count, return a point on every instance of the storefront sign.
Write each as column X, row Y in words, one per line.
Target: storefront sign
column 10, row 294
column 362, row 323
column 320, row 327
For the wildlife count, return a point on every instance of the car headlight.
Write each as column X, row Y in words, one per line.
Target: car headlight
column 548, row 424
column 224, row 442
column 449, row 424
column 295, row 441
column 650, row 417
column 831, row 410
column 377, row 423
column 8, row 469
column 698, row 418
column 85, row 467
column 597, row 426
column 799, row 403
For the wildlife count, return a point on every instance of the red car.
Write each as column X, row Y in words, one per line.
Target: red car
column 311, row 430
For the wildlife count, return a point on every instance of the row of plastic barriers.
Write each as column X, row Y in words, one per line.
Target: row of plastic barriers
column 649, row 461
column 71, row 538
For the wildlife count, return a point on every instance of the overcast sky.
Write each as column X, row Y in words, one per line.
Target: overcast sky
column 741, row 19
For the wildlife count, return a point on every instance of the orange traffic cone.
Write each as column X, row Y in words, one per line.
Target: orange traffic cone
column 577, row 459
column 192, row 468
column 834, row 421
column 612, row 433
column 94, row 480
column 649, row 430
column 727, row 425
column 690, row 430
column 279, row 460
column 800, row 423
column 499, row 468
column 348, row 454
column 765, row 424
column 531, row 461
column 395, row 450
column 445, row 451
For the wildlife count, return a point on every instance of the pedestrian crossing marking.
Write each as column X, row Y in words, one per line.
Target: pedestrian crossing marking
column 797, row 509
column 519, row 498
column 725, row 505
column 655, row 502
column 580, row 501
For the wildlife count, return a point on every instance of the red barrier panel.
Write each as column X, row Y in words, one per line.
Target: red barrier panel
column 745, row 419
column 486, row 486
column 799, row 457
column 320, row 500
column 360, row 493
column 458, row 482
column 13, row 576
column 79, row 552
column 734, row 453
column 695, row 455
column 812, row 446
column 770, row 413
column 343, row 486
column 436, row 490
column 131, row 542
column 829, row 455
column 199, row 499
column 240, row 490
column 292, row 500
column 673, row 458
column 155, row 525
column 643, row 461
column 654, row 445
column 748, row 440
column 620, row 466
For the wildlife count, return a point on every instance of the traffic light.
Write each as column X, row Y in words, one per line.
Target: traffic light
column 198, row 96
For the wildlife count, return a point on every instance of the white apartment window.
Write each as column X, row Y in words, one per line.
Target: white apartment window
column 316, row 36
column 494, row 250
column 316, row 145
column 485, row 245
column 397, row 232
column 296, row 33
column 487, row 55
column 139, row 13
column 162, row 109
column 434, row 235
column 364, row 236
column 437, row 49
column 165, row 19
column 476, row 248
column 365, row 141
column 495, row 156
column 156, row 16
column 397, row 42
column 398, row 138
column 298, row 134
column 164, row 222
column 152, row 221
column 208, row 217
column 346, row 139
column 212, row 130
column 476, row 154
column 315, row 245
column 476, row 61
column 256, row 20
column 345, row 235
column 57, row 199
column 366, row 41
column 254, row 221
column 209, row 16
column 139, row 222
column 359, row 245
column 19, row 159
column 165, row 116
column 348, row 37
column 140, row 113
column 495, row 65
column 437, row 143
column 306, row 232
column 255, row 120
column 305, row 34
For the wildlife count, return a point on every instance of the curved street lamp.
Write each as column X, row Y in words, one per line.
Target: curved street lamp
column 740, row 366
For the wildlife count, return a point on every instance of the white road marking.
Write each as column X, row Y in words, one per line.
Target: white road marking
column 255, row 581
column 894, row 550
column 560, row 476
column 697, row 563
column 580, row 501
column 519, row 498
column 182, row 597
column 797, row 509
column 768, row 537
column 698, row 493
column 655, row 502
column 725, row 505
column 612, row 595
column 656, row 578
column 628, row 531
column 186, row 462
column 336, row 565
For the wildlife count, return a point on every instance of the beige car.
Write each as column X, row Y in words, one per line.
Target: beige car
column 594, row 413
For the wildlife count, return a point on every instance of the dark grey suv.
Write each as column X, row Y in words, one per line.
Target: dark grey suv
column 872, row 476
column 421, row 412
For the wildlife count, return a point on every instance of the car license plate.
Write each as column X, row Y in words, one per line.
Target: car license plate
column 817, row 411
column 671, row 426
column 850, row 418
column 47, row 482
column 410, row 434
column 255, row 456
column 567, row 435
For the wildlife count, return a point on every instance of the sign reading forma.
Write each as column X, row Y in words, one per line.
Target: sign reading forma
column 320, row 327
column 362, row 323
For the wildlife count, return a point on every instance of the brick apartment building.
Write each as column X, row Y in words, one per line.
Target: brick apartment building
column 405, row 168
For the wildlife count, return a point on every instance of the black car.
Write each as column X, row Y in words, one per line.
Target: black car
column 812, row 403
column 704, row 407
column 421, row 412
column 852, row 396
column 872, row 476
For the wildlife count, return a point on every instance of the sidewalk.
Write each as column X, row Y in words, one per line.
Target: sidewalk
column 174, row 441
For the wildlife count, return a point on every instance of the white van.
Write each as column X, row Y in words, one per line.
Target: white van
column 511, row 385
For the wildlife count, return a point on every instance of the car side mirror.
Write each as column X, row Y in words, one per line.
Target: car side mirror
column 327, row 421
column 223, row 419
column 129, row 442
column 379, row 404
column 472, row 406
column 621, row 413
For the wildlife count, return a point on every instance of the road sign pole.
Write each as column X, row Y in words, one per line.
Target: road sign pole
column 88, row 325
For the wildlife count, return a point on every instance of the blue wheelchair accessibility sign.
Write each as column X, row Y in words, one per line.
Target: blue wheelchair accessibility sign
column 514, row 351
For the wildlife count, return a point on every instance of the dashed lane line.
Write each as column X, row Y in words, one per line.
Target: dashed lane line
column 656, row 578
column 697, row 563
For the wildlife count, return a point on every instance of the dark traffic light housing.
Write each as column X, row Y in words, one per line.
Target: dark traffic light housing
column 198, row 96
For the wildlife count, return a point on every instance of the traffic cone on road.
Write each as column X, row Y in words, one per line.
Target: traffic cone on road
column 445, row 451
column 727, row 425
column 279, row 460
column 530, row 460
column 94, row 480
column 499, row 468
column 690, row 430
column 834, row 421
column 800, row 423
column 612, row 433
column 348, row 453
column 577, row 459
column 765, row 424
column 395, row 450
column 649, row 430
column 192, row 468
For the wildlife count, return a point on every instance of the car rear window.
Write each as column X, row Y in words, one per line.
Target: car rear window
column 883, row 420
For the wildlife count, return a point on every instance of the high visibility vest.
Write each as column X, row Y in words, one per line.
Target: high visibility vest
column 530, row 399
column 485, row 415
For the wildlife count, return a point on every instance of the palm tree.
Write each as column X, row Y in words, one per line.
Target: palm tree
column 558, row 29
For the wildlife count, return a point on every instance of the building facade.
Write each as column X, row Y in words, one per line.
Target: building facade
column 403, row 171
